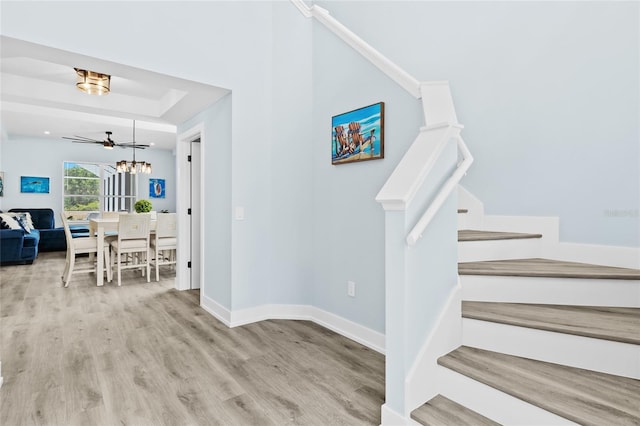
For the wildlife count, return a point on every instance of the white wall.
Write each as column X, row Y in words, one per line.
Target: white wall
column 20, row 156
column 216, row 203
column 549, row 96
column 540, row 86
column 226, row 44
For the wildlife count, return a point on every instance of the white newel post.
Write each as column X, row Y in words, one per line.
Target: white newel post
column 395, row 319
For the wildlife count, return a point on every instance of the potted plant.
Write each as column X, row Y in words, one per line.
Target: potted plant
column 143, row 206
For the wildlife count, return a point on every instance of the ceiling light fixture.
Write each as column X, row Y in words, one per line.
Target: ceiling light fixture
column 134, row 166
column 93, row 83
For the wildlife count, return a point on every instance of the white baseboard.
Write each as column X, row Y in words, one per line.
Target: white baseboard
column 216, row 309
column 359, row 333
column 347, row 328
column 393, row 418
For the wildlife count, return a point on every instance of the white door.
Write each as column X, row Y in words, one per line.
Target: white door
column 195, row 204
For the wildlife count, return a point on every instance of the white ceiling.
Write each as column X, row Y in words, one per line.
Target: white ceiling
column 38, row 95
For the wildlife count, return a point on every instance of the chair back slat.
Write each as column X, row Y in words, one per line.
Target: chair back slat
column 166, row 225
column 134, row 226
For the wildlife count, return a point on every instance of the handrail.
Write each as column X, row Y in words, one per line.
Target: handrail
column 436, row 99
column 447, row 188
column 397, row 74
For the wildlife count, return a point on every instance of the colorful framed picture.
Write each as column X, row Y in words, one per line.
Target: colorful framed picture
column 156, row 188
column 34, row 184
column 358, row 135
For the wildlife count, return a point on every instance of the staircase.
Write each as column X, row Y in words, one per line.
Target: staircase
column 544, row 341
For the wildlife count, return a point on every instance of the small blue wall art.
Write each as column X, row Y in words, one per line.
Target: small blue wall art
column 34, row 184
column 156, row 188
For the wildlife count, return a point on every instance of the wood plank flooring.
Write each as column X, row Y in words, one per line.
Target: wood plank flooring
column 583, row 396
column 473, row 235
column 145, row 354
column 546, row 268
column 610, row 323
column 441, row 411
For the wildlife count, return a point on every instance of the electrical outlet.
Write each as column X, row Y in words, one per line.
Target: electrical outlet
column 351, row 289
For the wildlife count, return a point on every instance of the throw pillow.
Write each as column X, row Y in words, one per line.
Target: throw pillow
column 26, row 217
column 23, row 224
column 10, row 221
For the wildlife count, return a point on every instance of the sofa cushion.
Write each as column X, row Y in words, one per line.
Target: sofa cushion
column 23, row 224
column 32, row 239
column 52, row 240
column 17, row 247
column 27, row 222
column 41, row 218
column 9, row 221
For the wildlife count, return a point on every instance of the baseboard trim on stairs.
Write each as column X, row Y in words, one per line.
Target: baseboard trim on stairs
column 605, row 356
column 347, row 328
column 445, row 337
column 623, row 257
column 492, row 403
column 390, row 417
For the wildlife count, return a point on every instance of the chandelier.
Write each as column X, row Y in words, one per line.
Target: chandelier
column 93, row 83
column 134, row 166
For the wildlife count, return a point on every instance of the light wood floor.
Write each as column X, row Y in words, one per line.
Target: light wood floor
column 145, row 354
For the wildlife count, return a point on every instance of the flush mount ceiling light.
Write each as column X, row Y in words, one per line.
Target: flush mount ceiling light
column 92, row 82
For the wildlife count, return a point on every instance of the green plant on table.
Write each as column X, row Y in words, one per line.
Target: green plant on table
column 142, row 206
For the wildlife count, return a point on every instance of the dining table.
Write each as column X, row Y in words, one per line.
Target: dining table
column 98, row 227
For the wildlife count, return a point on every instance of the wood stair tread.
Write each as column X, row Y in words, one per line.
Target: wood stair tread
column 608, row 323
column 546, row 268
column 441, row 411
column 583, row 396
column 476, row 235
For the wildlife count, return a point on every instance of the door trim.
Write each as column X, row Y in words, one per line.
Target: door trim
column 183, row 149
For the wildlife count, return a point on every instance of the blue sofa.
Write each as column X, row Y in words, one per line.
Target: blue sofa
column 18, row 247
column 51, row 238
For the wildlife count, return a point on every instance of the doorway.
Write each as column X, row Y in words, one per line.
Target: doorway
column 196, row 211
column 189, row 176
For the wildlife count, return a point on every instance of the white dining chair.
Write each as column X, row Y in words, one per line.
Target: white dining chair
column 133, row 238
column 164, row 241
column 81, row 245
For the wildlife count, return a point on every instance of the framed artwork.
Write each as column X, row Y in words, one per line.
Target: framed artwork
column 34, row 184
column 358, row 135
column 1, row 184
column 156, row 188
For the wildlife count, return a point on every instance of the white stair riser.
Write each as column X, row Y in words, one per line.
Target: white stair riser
column 475, row 251
column 556, row 291
column 621, row 359
column 492, row 403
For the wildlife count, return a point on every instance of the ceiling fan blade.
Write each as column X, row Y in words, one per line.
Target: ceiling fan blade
column 81, row 139
column 136, row 146
column 131, row 144
column 94, row 142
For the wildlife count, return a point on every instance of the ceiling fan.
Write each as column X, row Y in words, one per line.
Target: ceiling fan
column 108, row 143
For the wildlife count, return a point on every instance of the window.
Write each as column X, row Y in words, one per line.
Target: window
column 93, row 187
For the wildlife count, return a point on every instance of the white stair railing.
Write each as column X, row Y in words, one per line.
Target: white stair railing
column 410, row 175
column 447, row 188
